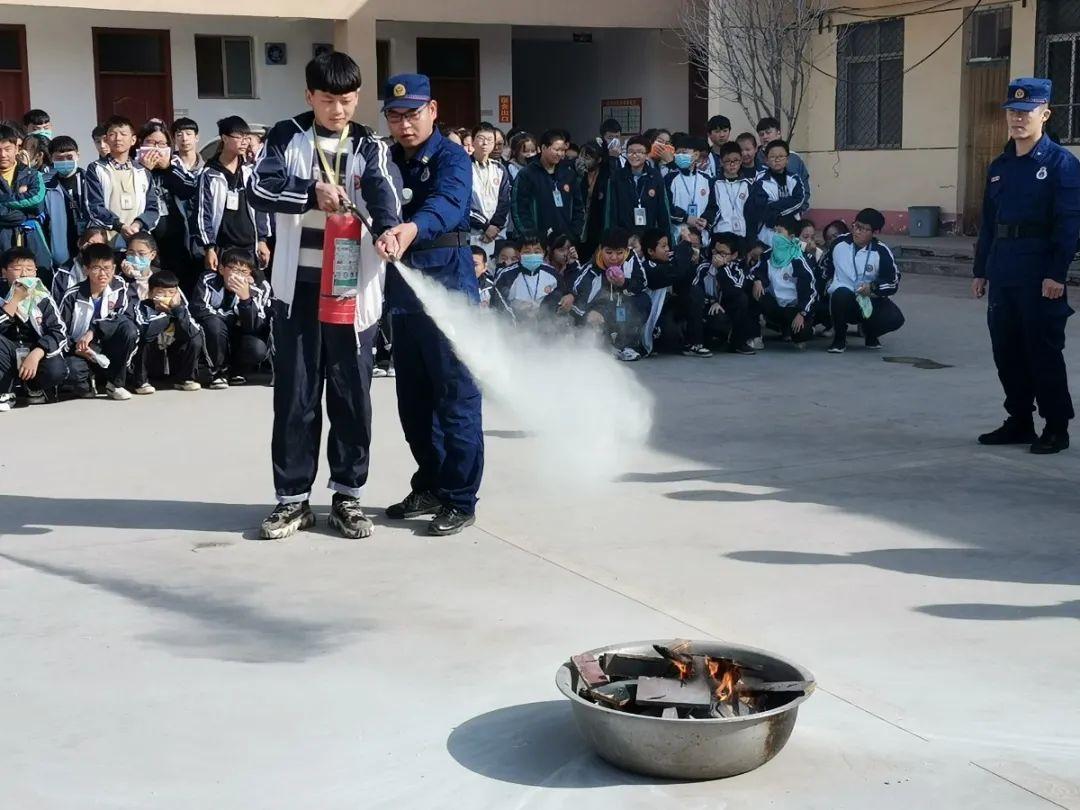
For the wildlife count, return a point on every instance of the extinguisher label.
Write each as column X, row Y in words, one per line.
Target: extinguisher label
column 346, row 266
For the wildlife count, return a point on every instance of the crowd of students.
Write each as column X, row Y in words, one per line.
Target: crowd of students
column 150, row 263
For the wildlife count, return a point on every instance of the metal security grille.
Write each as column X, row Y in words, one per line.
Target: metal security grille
column 1061, row 51
column 870, row 86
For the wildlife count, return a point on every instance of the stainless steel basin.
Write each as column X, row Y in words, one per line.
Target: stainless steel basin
column 690, row 749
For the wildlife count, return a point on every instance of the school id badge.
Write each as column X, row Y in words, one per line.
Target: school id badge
column 639, row 217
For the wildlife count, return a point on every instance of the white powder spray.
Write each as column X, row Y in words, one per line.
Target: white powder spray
column 586, row 410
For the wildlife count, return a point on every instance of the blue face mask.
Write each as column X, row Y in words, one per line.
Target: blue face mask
column 531, row 261
column 139, row 262
column 683, row 160
column 65, row 168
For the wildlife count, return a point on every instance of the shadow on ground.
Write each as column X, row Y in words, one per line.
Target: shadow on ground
column 212, row 626
column 1004, row 613
column 535, row 744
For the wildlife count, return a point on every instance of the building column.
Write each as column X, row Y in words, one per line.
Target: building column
column 356, row 37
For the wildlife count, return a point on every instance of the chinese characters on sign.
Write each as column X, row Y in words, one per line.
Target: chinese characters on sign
column 627, row 111
column 505, row 110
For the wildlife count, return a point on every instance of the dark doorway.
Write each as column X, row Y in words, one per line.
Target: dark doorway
column 14, row 79
column 133, row 69
column 453, row 65
column 698, row 103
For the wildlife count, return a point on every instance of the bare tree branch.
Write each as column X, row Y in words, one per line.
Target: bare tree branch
column 756, row 53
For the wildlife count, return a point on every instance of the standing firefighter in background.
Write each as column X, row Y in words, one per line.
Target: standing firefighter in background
column 438, row 401
column 1030, row 223
column 311, row 167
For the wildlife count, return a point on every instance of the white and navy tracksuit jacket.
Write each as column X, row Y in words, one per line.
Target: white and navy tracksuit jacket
column 99, row 190
column 44, row 329
column 791, row 286
column 490, row 203
column 210, row 207
column 731, row 198
column 691, row 195
column 848, row 266
column 283, row 183
column 592, row 290
column 773, row 196
column 211, row 298
column 153, row 323
column 77, row 307
column 540, row 288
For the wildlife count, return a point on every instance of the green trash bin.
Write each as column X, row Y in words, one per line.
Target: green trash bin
column 923, row 220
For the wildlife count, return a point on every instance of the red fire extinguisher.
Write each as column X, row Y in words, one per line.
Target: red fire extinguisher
column 340, row 269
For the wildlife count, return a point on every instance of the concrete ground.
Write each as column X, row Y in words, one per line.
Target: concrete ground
column 834, row 509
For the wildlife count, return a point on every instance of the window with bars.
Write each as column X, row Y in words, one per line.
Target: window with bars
column 1061, row 55
column 870, row 86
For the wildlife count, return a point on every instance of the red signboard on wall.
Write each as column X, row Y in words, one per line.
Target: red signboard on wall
column 505, row 110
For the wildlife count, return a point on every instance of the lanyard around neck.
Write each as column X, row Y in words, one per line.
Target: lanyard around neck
column 332, row 179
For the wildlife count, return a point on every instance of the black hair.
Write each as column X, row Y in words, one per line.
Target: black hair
column 768, row 122
column 163, row 280
column 529, row 238
column 651, row 238
column 35, row 118
column 789, row 223
column 718, row 122
column 730, row 148
column 483, row 126
column 152, row 126
column 839, row 225
column 117, row 121
column 683, row 141
column 509, row 242
column 650, row 134
column 746, row 136
column 38, row 141
column 99, row 132
column 552, row 135
column 62, row 143
column 237, row 255
column 610, row 125
column 806, row 221
column 518, row 141
column 184, row 123
column 618, row 238
column 696, row 231
column 333, row 72
column 476, row 250
column 9, row 133
column 231, row 125
column 558, row 240
column 145, row 237
column 639, row 140
column 728, row 240
column 97, row 252
column 572, row 147
column 872, row 217
column 778, row 143
column 16, row 254
column 591, row 149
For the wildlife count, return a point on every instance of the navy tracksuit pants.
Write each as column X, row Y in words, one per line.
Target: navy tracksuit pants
column 439, row 405
column 1027, row 333
column 308, row 356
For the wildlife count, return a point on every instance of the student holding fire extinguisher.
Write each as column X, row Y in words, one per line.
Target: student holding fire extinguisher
column 438, row 400
column 328, row 301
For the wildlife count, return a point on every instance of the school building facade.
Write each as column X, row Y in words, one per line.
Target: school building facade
column 902, row 108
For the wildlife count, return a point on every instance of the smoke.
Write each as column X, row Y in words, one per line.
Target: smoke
column 586, row 413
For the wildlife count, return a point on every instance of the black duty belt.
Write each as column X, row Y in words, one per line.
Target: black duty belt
column 1023, row 230
column 447, row 240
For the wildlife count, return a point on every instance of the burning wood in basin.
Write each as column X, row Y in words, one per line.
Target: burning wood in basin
column 678, row 683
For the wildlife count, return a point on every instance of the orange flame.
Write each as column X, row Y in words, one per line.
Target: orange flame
column 726, row 676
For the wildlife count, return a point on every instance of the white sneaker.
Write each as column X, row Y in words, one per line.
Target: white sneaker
column 757, row 344
column 628, row 355
column 6, row 401
column 117, row 393
column 188, row 385
column 379, row 372
column 145, row 390
column 237, row 379
column 216, row 384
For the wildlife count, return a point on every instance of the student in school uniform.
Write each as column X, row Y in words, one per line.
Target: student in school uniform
column 718, row 132
column 22, row 199
column 748, row 150
column 32, row 333
column 102, row 334
column 775, row 194
column 690, row 191
column 731, row 193
column 784, row 285
column 680, row 319
column 730, row 308
column 490, row 205
column 65, row 200
column 814, row 256
column 610, row 297
column 232, row 305
column 71, row 274
column 636, row 196
column 862, row 277
column 120, row 192
column 546, row 197
column 167, row 333
column 768, row 130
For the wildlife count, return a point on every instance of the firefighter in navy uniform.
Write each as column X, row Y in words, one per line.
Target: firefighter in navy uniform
column 1030, row 224
column 438, row 401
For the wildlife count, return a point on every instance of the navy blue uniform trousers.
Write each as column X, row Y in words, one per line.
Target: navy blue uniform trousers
column 309, row 355
column 439, row 405
column 1027, row 333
